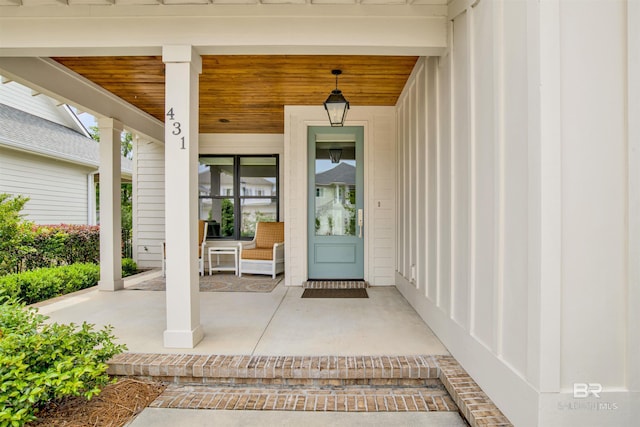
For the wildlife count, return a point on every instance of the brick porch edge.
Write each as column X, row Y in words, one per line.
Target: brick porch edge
column 473, row 403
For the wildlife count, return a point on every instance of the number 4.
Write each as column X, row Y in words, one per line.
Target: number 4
column 170, row 113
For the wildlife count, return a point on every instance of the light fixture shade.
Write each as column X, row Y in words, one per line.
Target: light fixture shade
column 336, row 107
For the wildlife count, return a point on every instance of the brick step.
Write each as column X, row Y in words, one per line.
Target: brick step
column 286, row 370
column 347, row 399
column 335, row 284
column 239, row 382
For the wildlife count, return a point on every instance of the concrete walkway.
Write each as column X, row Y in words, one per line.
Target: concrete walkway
column 151, row 417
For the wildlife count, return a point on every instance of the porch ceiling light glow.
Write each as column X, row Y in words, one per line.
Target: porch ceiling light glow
column 336, row 105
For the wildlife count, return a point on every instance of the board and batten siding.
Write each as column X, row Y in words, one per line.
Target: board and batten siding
column 380, row 193
column 57, row 190
column 463, row 219
column 463, row 229
column 514, row 199
column 148, row 203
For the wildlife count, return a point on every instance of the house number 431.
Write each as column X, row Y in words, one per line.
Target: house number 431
column 177, row 127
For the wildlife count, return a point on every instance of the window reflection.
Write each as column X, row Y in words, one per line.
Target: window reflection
column 335, row 183
column 236, row 192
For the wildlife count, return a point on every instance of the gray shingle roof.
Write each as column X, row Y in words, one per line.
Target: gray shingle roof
column 25, row 131
column 344, row 173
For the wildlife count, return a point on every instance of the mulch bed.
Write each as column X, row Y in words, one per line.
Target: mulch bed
column 116, row 405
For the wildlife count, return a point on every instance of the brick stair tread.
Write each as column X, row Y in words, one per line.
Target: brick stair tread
column 312, row 367
column 343, row 399
column 387, row 373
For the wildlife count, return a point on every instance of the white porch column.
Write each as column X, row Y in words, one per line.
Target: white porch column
column 110, row 226
column 183, row 66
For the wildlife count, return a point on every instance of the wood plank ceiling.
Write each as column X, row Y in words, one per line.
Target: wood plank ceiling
column 247, row 93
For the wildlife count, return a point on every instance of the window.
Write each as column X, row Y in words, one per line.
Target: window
column 236, row 192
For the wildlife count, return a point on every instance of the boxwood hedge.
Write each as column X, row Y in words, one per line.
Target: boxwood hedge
column 45, row 283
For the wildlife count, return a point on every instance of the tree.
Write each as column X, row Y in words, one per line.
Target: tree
column 228, row 224
column 14, row 232
column 126, row 141
column 126, row 189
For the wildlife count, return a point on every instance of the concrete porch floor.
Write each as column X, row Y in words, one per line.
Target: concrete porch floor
column 275, row 323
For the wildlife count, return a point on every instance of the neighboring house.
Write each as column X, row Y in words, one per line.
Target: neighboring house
column 258, row 197
column 335, row 211
column 46, row 154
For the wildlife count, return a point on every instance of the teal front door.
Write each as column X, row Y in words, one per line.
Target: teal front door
column 336, row 202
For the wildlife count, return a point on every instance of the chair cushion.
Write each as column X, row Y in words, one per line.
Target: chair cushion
column 201, row 235
column 258, row 253
column 268, row 234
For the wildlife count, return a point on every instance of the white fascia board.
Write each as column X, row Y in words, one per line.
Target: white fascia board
column 52, row 154
column 58, row 82
column 399, row 33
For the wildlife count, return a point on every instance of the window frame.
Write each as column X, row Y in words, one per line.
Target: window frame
column 237, row 189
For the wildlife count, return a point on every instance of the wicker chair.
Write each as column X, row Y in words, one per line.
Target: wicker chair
column 265, row 253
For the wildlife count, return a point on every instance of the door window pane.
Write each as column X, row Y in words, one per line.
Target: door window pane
column 335, row 210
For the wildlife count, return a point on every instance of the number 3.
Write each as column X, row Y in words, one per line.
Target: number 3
column 177, row 130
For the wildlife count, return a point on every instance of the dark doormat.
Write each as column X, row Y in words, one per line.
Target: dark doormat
column 335, row 293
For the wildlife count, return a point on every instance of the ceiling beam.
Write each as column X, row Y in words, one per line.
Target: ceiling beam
column 52, row 79
column 363, row 34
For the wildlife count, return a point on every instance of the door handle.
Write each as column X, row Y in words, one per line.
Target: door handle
column 360, row 222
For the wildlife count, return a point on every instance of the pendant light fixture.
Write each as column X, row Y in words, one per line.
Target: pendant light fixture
column 336, row 105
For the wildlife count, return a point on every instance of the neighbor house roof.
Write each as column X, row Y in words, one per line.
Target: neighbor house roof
column 23, row 131
column 344, row 173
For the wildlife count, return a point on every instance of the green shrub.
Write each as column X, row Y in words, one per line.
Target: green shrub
column 41, row 362
column 129, row 267
column 15, row 233
column 45, row 283
column 62, row 244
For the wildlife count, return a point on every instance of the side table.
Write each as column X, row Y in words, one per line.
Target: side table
column 223, row 250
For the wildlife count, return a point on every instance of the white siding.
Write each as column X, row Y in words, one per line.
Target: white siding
column 594, row 224
column 526, row 177
column 380, row 184
column 58, row 190
column 21, row 98
column 148, row 203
